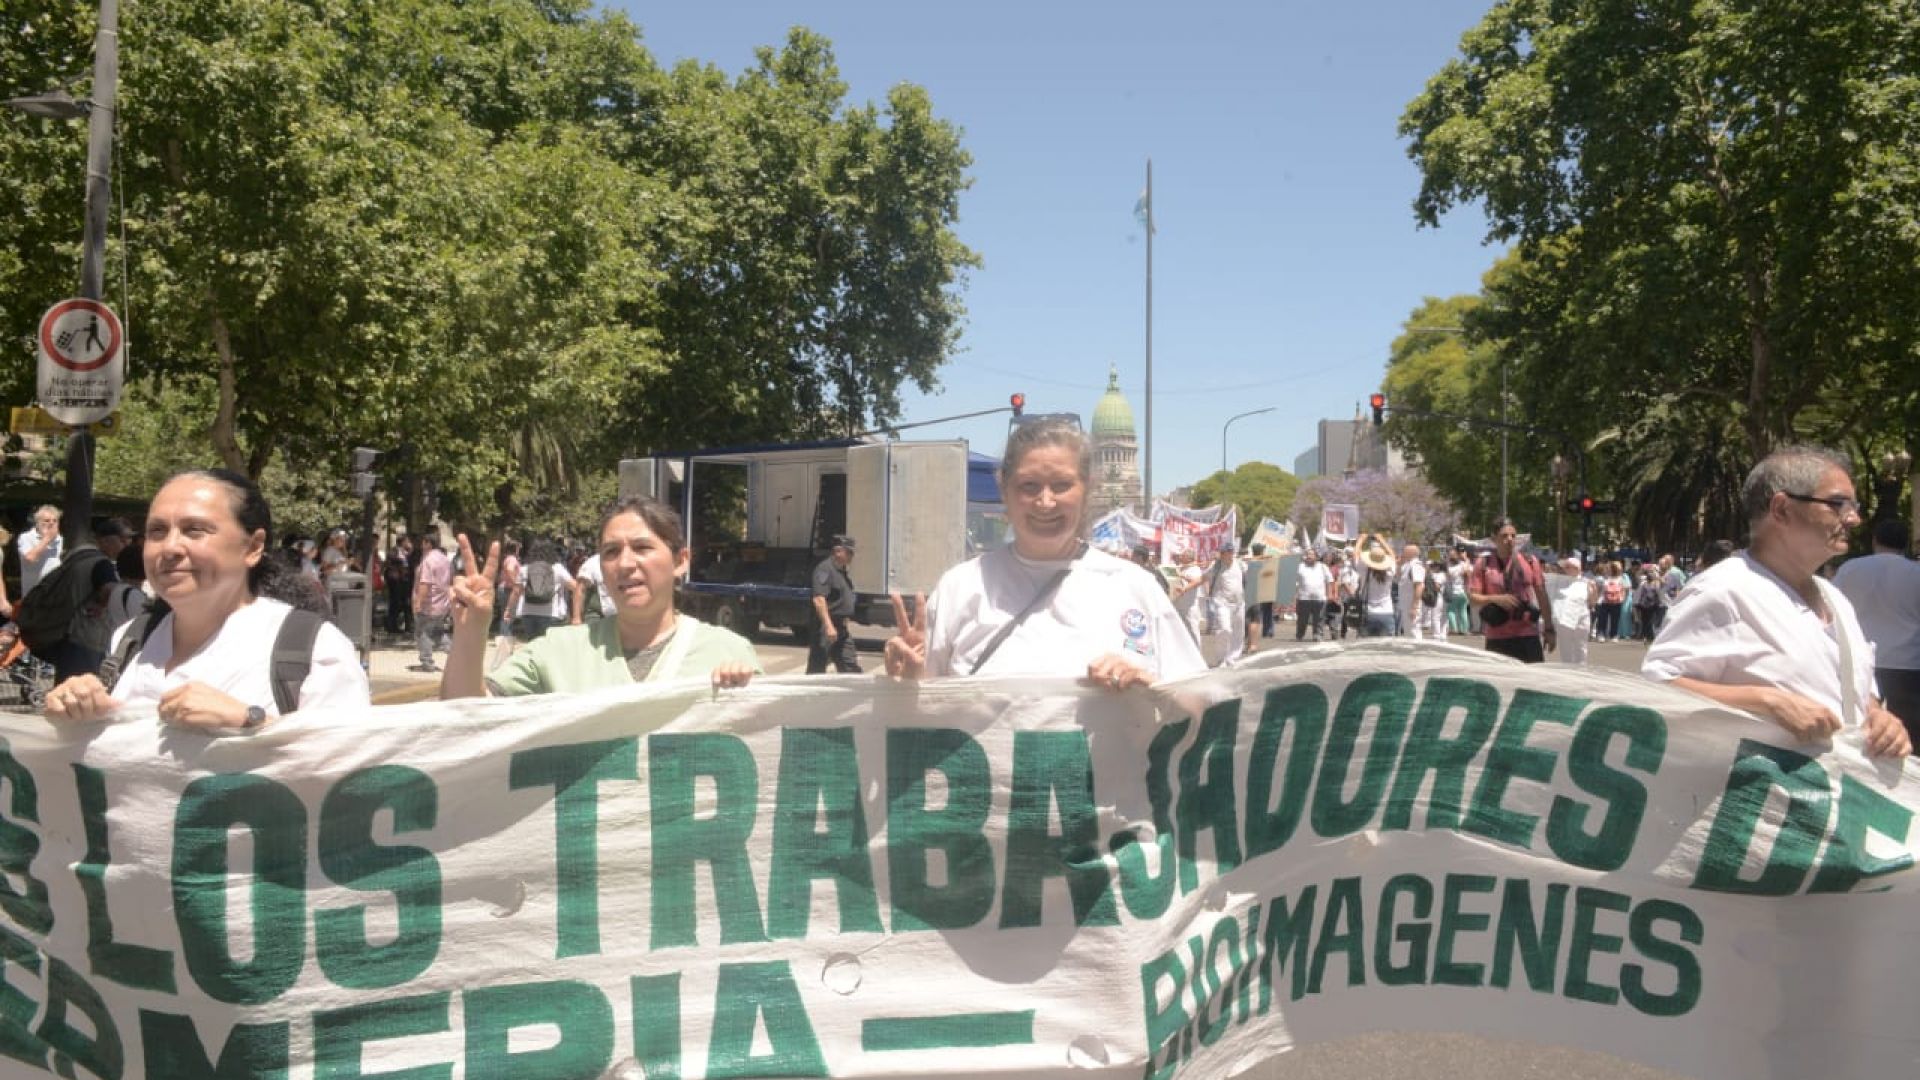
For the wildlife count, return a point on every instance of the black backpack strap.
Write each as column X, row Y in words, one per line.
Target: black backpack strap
column 293, row 657
column 138, row 631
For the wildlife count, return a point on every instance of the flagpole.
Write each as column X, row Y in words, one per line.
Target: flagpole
column 1148, row 456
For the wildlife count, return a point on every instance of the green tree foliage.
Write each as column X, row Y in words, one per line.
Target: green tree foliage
column 1714, row 207
column 1260, row 491
column 495, row 236
column 1443, row 382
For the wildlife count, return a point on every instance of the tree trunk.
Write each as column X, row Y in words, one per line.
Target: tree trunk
column 226, row 441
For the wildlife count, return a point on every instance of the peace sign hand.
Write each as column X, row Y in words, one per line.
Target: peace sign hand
column 473, row 592
column 907, row 651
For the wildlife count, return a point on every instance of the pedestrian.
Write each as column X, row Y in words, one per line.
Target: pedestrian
column 1646, row 605
column 1613, row 596
column 505, row 582
column 1410, row 580
column 1458, row 567
column 641, row 639
column 591, row 600
column 40, row 548
column 431, row 601
column 334, row 556
column 1143, row 555
column 397, row 569
column 1046, row 604
column 1186, row 592
column 1343, row 602
column 1508, row 588
column 1225, row 610
column 1375, row 595
column 210, row 659
column 539, row 597
column 109, row 604
column 1433, row 602
column 1764, row 633
column 1261, row 582
column 1573, row 599
column 1312, row 580
column 1884, row 589
column 833, row 605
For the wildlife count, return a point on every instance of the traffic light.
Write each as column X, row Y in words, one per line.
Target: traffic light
column 1587, row 504
column 1019, row 403
column 362, row 475
column 1379, row 403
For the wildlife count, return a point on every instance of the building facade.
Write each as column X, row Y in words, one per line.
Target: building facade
column 1116, row 453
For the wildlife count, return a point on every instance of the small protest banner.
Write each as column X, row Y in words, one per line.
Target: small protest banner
column 1019, row 877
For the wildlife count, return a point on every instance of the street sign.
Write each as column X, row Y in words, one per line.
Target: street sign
column 82, row 361
column 33, row 420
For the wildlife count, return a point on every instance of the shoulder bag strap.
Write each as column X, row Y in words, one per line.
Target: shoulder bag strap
column 1006, row 631
column 1851, row 714
column 293, row 658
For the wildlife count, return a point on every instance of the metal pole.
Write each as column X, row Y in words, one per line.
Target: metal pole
column 1503, row 437
column 1147, row 457
column 78, row 517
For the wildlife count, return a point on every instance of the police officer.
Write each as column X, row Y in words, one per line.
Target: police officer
column 832, row 609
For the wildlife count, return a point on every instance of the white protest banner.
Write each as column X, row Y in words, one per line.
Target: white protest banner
column 1031, row 878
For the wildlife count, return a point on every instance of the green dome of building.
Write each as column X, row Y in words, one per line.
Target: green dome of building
column 1113, row 417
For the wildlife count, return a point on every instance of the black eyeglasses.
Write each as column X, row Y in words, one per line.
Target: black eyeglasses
column 1839, row 504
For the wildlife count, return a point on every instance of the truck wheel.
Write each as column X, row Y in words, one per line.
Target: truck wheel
column 730, row 615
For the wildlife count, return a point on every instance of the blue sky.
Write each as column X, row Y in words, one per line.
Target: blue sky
column 1286, row 257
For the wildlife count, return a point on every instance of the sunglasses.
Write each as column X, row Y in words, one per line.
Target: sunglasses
column 1839, row 504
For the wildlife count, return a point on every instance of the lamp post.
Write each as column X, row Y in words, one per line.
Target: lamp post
column 1561, row 467
column 100, row 111
column 1228, row 424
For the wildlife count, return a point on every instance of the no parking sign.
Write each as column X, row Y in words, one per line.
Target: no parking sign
column 82, row 361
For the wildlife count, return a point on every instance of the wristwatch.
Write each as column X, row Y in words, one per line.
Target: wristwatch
column 256, row 716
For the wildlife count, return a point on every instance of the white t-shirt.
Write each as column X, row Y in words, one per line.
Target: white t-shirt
column 1457, row 578
column 1313, row 582
column 556, row 607
column 1737, row 624
column 238, row 661
column 1190, row 576
column 1570, row 601
column 32, row 572
column 593, row 574
column 1413, row 576
column 1885, row 592
column 1348, row 579
column 1104, row 605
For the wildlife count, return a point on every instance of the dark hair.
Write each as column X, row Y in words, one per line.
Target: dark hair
column 659, row 517
column 1715, row 552
column 1892, row 534
column 113, row 527
column 271, row 577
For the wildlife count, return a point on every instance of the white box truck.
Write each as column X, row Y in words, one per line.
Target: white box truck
column 759, row 519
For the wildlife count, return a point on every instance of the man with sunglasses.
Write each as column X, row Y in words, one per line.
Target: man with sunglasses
column 1761, row 631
